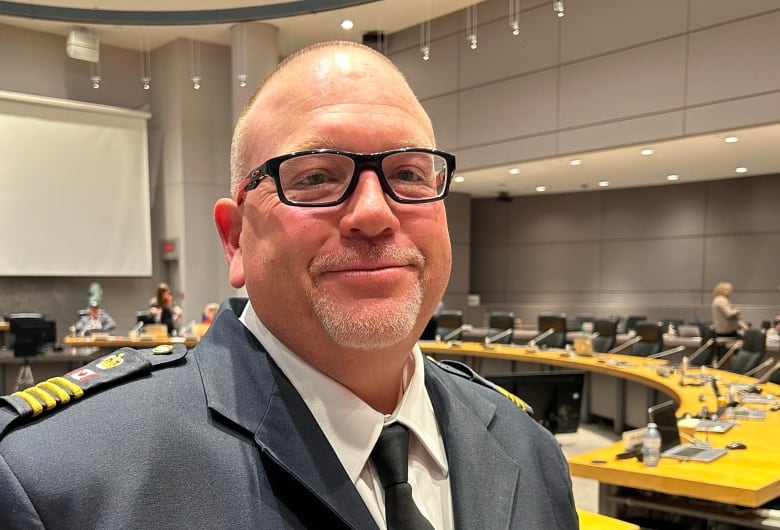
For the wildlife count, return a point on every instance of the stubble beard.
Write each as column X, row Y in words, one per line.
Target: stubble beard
column 386, row 322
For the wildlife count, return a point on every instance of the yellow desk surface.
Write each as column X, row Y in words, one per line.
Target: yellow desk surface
column 595, row 521
column 119, row 342
column 749, row 477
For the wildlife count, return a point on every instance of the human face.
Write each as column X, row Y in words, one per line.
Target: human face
column 365, row 274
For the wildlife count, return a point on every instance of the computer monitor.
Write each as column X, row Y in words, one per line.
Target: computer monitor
column 31, row 332
column 556, row 396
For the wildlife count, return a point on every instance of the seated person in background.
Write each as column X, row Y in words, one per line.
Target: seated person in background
column 95, row 319
column 163, row 309
column 210, row 312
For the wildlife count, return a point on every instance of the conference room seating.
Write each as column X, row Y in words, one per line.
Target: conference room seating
column 706, row 357
column 607, row 334
column 498, row 321
column 449, row 320
column 556, row 322
column 632, row 321
column 579, row 321
column 751, row 353
column 652, row 339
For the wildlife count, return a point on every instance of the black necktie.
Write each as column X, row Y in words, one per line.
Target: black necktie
column 391, row 459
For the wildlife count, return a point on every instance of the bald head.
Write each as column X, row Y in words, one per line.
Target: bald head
column 328, row 74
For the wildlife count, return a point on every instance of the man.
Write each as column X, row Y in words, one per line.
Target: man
column 270, row 422
column 93, row 319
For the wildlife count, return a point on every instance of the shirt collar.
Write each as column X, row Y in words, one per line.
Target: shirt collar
column 351, row 426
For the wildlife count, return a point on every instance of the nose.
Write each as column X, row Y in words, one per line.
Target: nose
column 369, row 210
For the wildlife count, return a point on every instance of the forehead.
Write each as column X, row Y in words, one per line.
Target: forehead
column 327, row 99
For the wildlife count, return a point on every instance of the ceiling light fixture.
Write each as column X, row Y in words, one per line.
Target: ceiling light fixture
column 240, row 42
column 471, row 26
column 145, row 60
column 514, row 171
column 425, row 40
column 347, row 24
column 195, row 64
column 514, row 16
column 459, row 179
column 94, row 74
column 603, row 183
column 575, row 162
column 672, row 178
column 741, row 169
column 558, row 8
column 646, row 152
column 540, row 189
column 731, row 139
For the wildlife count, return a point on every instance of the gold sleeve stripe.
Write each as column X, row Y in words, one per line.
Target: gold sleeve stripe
column 71, row 387
column 34, row 404
column 61, row 395
column 48, row 400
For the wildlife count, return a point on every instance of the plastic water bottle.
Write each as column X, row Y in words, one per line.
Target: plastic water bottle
column 651, row 446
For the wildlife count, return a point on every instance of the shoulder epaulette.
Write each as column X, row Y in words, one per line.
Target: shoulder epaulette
column 103, row 372
column 464, row 371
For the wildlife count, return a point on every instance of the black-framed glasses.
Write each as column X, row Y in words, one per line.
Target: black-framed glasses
column 326, row 177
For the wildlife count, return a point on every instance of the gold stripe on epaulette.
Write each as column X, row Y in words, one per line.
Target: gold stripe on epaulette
column 513, row 398
column 48, row 400
column 74, row 389
column 34, row 404
column 61, row 395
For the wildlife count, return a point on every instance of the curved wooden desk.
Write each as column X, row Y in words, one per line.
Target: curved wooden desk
column 747, row 478
column 114, row 342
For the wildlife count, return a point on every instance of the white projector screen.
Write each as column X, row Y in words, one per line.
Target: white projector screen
column 74, row 189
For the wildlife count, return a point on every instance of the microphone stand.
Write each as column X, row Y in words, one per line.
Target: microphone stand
column 533, row 341
column 629, row 342
column 701, row 349
column 666, row 353
column 452, row 334
column 489, row 340
column 720, row 362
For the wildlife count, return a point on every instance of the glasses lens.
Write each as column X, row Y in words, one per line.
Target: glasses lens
column 316, row 178
column 415, row 175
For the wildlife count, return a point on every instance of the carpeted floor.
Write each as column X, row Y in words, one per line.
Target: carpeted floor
column 588, row 436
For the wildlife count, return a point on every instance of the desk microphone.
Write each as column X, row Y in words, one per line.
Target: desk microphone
column 720, row 362
column 629, row 342
column 452, row 334
column 136, row 328
column 755, row 388
column 760, row 367
column 665, row 353
column 497, row 336
column 701, row 349
column 533, row 341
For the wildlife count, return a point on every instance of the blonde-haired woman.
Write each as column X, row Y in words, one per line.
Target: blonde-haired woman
column 725, row 317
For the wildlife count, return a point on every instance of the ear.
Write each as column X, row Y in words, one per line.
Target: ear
column 229, row 221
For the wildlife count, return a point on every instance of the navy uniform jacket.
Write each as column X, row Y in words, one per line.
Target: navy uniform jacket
column 220, row 439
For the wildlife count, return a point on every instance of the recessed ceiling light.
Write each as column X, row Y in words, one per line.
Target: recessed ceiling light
column 514, row 171
column 672, row 177
column 646, row 152
column 575, row 162
column 459, row 179
column 541, row 188
column 731, row 139
column 347, row 24
column 741, row 170
column 603, row 183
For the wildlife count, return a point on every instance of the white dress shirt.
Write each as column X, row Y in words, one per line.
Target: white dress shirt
column 352, row 427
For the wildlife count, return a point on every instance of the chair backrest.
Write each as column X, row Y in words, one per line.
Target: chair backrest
column 745, row 360
column 652, row 335
column 607, row 334
column 448, row 321
column 556, row 322
column 754, row 340
column 705, row 358
column 633, row 320
column 579, row 321
column 499, row 321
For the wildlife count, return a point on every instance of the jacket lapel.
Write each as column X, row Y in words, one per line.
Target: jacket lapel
column 244, row 385
column 483, row 478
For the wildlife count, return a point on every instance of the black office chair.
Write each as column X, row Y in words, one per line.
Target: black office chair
column 429, row 333
column 449, row 320
column 499, row 321
column 607, row 334
column 706, row 357
column 556, row 322
column 652, row 339
column 633, row 320
column 579, row 320
column 751, row 352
